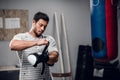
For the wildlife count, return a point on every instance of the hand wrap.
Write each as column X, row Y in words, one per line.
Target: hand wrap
column 35, row 58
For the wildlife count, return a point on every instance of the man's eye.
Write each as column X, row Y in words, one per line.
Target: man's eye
column 40, row 25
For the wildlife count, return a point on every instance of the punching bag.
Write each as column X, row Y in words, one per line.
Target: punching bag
column 84, row 69
column 104, row 29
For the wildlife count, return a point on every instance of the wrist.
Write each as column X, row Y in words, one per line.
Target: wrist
column 50, row 64
column 36, row 43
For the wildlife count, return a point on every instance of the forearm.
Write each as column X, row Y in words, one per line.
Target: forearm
column 21, row 44
column 53, row 57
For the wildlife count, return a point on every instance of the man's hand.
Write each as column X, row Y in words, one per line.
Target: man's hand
column 42, row 41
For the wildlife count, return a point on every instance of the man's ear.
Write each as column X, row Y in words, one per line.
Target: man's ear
column 33, row 21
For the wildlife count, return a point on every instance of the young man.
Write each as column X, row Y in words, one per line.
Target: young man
column 30, row 45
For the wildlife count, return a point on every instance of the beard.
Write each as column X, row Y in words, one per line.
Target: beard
column 37, row 34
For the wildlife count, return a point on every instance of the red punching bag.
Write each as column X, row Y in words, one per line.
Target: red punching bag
column 111, row 29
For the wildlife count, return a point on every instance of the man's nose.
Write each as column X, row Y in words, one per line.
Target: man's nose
column 43, row 28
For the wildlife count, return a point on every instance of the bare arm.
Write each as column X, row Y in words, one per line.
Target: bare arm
column 23, row 44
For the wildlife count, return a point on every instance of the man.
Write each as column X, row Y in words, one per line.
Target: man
column 33, row 43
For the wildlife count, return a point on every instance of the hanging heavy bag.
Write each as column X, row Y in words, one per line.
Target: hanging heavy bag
column 104, row 29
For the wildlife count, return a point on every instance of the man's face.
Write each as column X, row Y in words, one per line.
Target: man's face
column 39, row 27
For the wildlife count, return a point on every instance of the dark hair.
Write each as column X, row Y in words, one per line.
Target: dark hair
column 41, row 15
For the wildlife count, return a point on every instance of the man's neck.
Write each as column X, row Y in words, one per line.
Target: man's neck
column 33, row 34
